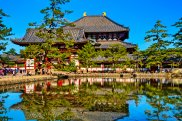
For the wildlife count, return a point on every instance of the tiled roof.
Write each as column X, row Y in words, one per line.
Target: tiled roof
column 106, row 44
column 77, row 34
column 104, row 59
column 14, row 58
column 98, row 24
column 30, row 37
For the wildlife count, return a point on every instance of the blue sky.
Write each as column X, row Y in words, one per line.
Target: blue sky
column 138, row 15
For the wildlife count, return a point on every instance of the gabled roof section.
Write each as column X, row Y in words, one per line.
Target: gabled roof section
column 30, row 37
column 76, row 34
column 98, row 24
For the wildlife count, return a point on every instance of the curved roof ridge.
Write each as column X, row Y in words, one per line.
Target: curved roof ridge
column 116, row 22
column 98, row 23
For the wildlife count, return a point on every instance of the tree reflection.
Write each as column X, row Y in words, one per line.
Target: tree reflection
column 3, row 110
column 166, row 103
column 61, row 102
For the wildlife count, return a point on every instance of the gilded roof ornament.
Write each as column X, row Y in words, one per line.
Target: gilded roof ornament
column 104, row 13
column 84, row 14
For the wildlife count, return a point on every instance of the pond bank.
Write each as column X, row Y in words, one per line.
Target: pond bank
column 9, row 80
column 124, row 75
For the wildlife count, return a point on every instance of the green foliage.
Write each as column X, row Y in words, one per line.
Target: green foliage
column 31, row 51
column 12, row 51
column 3, row 110
column 162, row 102
column 178, row 35
column 86, row 55
column 51, row 31
column 158, row 35
column 66, row 67
column 114, row 54
column 138, row 58
column 4, row 30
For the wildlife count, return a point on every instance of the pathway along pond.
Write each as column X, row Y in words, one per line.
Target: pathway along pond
column 93, row 99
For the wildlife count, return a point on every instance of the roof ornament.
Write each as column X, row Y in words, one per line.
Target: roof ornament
column 103, row 13
column 84, row 14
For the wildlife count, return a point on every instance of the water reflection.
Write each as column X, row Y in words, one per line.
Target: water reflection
column 77, row 82
column 137, row 99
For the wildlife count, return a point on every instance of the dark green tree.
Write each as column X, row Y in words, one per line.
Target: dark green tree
column 138, row 58
column 178, row 35
column 116, row 53
column 12, row 51
column 158, row 35
column 4, row 30
column 86, row 55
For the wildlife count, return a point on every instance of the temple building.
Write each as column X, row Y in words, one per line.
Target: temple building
column 98, row 29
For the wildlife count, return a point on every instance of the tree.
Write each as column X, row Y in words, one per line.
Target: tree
column 158, row 35
column 86, row 55
column 116, row 53
column 51, row 31
column 138, row 57
column 4, row 30
column 12, row 51
column 178, row 35
column 31, row 51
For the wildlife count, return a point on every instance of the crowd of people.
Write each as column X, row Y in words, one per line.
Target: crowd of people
column 10, row 71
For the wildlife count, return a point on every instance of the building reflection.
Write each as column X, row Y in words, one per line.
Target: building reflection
column 77, row 82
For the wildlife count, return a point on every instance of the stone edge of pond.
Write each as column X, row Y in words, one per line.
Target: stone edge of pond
column 9, row 80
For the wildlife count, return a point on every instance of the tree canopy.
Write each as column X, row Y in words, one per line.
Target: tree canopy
column 4, row 30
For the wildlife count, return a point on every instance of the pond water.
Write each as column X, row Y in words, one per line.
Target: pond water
column 145, row 99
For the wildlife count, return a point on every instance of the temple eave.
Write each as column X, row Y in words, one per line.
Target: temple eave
column 21, row 43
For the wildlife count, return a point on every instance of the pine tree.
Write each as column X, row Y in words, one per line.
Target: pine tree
column 158, row 35
column 86, row 55
column 4, row 30
column 178, row 35
column 51, row 31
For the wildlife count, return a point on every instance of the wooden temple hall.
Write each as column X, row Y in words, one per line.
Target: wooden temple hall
column 98, row 29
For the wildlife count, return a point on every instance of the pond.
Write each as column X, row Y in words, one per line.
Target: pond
column 93, row 99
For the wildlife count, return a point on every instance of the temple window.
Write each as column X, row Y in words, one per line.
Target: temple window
column 110, row 36
column 75, row 46
column 89, row 36
column 94, row 37
column 104, row 36
column 62, row 46
column 115, row 36
column 121, row 35
column 100, row 37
